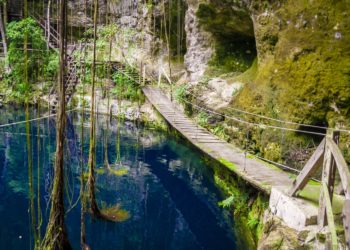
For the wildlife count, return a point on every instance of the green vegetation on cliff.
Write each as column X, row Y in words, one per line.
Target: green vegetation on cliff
column 301, row 73
column 40, row 62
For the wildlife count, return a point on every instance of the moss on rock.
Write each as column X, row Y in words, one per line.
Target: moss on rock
column 304, row 59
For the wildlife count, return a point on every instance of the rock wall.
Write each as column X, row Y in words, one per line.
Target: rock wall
column 302, row 50
column 199, row 45
column 304, row 58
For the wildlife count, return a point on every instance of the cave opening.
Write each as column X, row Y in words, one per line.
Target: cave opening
column 233, row 32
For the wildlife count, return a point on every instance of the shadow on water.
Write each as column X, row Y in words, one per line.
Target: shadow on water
column 201, row 220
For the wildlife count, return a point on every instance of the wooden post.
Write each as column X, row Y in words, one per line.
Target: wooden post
column 346, row 222
column 144, row 75
column 330, row 216
column 314, row 163
column 140, row 72
column 159, row 77
column 342, row 167
column 328, row 176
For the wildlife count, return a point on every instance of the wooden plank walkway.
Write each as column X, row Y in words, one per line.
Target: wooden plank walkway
column 257, row 173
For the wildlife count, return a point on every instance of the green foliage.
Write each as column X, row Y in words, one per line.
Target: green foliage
column 273, row 152
column 219, row 130
column 125, row 88
column 202, row 119
column 228, row 202
column 247, row 205
column 108, row 32
column 41, row 63
column 180, row 93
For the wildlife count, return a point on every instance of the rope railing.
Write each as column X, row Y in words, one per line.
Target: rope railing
column 274, row 119
column 260, row 125
column 282, row 166
column 34, row 119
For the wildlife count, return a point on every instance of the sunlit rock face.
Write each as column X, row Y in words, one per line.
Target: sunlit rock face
column 80, row 12
column 199, row 45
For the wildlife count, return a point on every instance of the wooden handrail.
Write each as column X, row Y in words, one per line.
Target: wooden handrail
column 314, row 163
column 341, row 165
column 330, row 216
column 346, row 221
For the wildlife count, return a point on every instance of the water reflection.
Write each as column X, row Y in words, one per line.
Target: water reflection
column 161, row 182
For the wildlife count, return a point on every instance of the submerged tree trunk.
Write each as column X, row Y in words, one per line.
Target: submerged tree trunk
column 56, row 236
column 91, row 163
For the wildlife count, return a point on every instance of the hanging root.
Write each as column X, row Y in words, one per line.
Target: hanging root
column 55, row 239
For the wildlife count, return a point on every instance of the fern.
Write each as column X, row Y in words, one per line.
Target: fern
column 228, row 202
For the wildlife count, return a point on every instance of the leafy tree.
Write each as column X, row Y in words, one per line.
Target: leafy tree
column 40, row 61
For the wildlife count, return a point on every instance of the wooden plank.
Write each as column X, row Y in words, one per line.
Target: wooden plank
column 314, row 163
column 330, row 216
column 343, row 168
column 346, row 222
column 328, row 177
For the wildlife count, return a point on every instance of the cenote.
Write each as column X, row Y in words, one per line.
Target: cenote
column 164, row 189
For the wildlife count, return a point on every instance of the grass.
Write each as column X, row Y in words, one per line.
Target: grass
column 311, row 193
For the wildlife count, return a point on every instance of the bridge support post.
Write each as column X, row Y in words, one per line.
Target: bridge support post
column 346, row 222
column 328, row 177
column 312, row 165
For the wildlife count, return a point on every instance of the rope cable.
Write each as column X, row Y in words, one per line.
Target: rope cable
column 260, row 125
column 34, row 119
column 274, row 119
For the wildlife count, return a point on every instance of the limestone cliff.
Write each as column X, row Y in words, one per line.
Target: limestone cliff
column 199, row 44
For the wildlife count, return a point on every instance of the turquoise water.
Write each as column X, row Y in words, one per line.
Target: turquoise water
column 163, row 184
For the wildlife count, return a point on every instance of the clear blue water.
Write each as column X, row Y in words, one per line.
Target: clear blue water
column 167, row 188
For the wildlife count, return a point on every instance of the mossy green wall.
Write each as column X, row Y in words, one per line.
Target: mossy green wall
column 302, row 72
column 304, row 58
column 303, row 50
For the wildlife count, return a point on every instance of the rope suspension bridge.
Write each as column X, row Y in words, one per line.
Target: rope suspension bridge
column 327, row 156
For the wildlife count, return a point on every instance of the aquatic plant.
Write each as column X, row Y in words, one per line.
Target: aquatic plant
column 115, row 213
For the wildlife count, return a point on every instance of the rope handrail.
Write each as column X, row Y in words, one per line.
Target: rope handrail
column 34, row 119
column 284, row 167
column 260, row 125
column 274, row 119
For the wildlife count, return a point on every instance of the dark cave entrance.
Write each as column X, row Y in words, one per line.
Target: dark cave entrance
column 233, row 32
